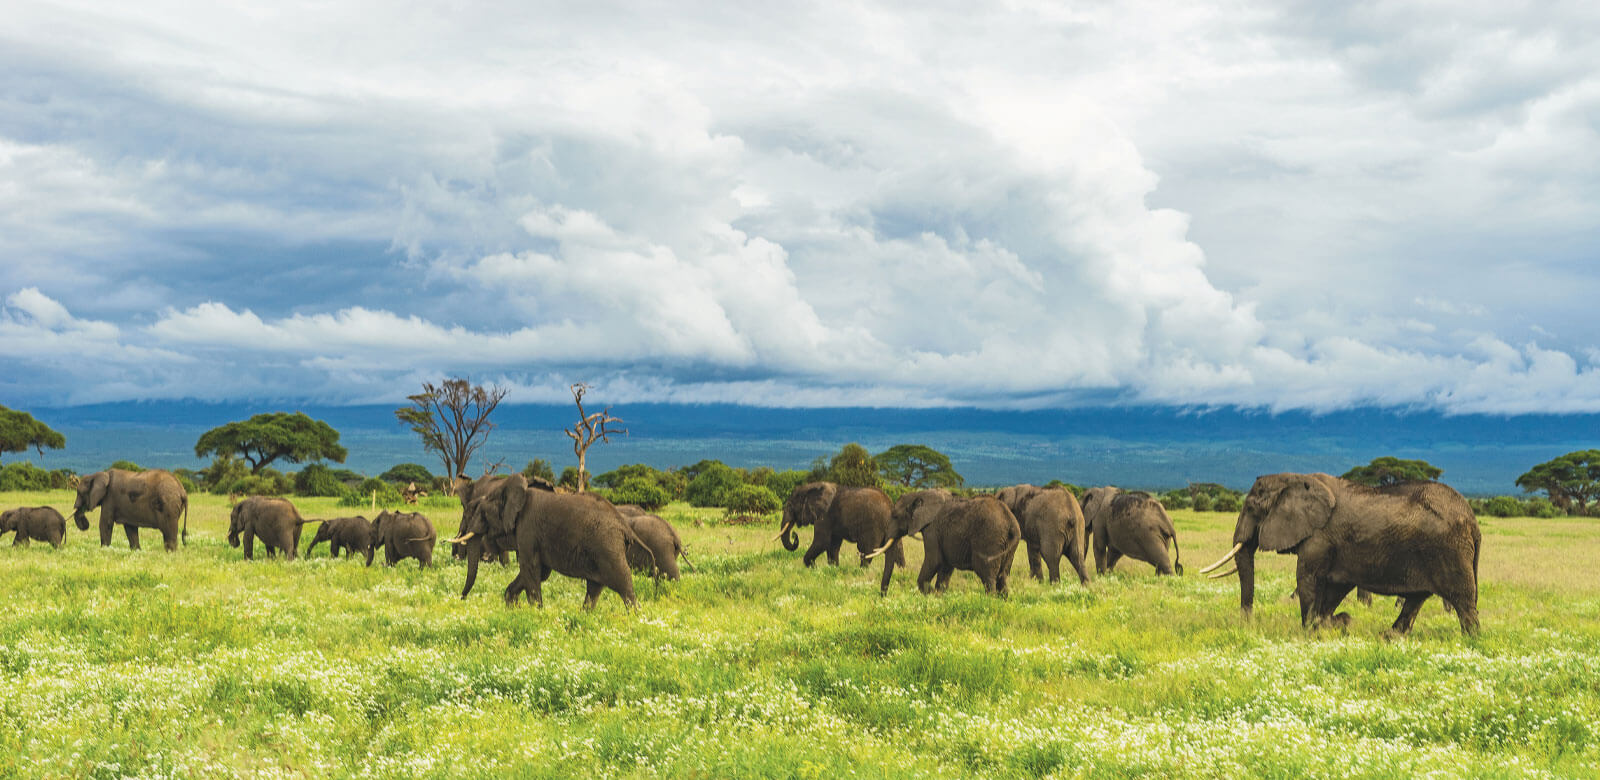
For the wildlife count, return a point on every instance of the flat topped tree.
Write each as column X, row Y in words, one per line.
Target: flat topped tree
column 19, row 431
column 273, row 436
column 1389, row 470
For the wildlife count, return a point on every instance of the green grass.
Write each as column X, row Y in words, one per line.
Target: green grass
column 200, row 664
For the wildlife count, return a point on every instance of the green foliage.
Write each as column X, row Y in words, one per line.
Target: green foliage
column 1176, row 499
column 1389, row 470
column 1075, row 490
column 19, row 431
column 759, row 475
column 783, row 483
column 1540, row 507
column 348, row 477
column 853, row 466
column 917, row 466
column 257, row 485
column 748, row 499
column 713, row 486
column 569, row 478
column 266, row 438
column 1571, row 481
column 23, row 475
column 690, row 472
column 1503, row 506
column 670, row 483
column 1206, row 497
column 222, row 473
column 127, row 465
column 188, row 484
column 1201, row 502
column 388, row 496
column 539, row 468
column 406, row 473
column 643, row 491
column 318, row 480
column 61, row 479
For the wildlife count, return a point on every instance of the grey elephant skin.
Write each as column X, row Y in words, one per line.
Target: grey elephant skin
column 134, row 500
column 1052, row 526
column 840, row 514
column 1413, row 541
column 576, row 534
column 979, row 535
column 403, row 535
column 351, row 535
column 666, row 547
column 468, row 489
column 1131, row 524
column 275, row 521
column 41, row 523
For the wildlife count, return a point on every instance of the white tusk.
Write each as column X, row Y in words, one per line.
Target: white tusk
column 463, row 539
column 781, row 532
column 1224, row 558
column 880, row 550
column 1219, row 575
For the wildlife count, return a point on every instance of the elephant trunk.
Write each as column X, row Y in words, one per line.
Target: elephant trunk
column 1245, row 559
column 474, row 555
column 80, row 517
column 791, row 540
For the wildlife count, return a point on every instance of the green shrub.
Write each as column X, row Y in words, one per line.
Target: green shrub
column 1503, row 506
column 1539, row 506
column 188, row 484
column 713, row 485
column 643, row 491
column 747, row 499
column 1202, row 502
column 539, row 468
column 127, row 465
column 1228, row 502
column 223, row 472
column 1077, row 490
column 439, row 501
column 318, row 480
column 388, row 496
column 256, row 485
column 282, row 483
column 1176, row 499
column 23, row 475
column 61, row 479
column 783, row 483
column 408, row 472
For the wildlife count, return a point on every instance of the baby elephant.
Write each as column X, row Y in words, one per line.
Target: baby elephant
column 403, row 535
column 35, row 522
column 351, row 534
column 658, row 535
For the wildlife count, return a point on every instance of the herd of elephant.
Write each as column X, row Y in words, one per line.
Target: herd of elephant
column 1411, row 541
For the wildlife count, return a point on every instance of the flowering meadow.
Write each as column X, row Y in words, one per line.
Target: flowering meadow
column 200, row 664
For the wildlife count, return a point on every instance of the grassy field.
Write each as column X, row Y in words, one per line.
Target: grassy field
column 200, row 664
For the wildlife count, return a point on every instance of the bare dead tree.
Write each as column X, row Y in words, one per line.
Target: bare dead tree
column 589, row 429
column 490, row 469
column 452, row 419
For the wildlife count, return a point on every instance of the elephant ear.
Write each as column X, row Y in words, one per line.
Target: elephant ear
column 923, row 510
column 513, row 497
column 99, row 483
column 1302, row 506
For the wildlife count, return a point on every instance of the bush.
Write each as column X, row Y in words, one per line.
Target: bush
column 318, row 480
column 188, row 484
column 747, row 499
column 281, row 482
column 388, row 496
column 223, row 472
column 1202, row 502
column 256, row 485
column 1539, row 506
column 569, row 478
column 24, row 476
column 642, row 491
column 127, row 465
column 1503, row 506
column 1077, row 490
column 539, row 468
column 1228, row 502
column 61, row 479
column 408, row 472
column 783, row 483
column 1176, row 499
column 713, row 486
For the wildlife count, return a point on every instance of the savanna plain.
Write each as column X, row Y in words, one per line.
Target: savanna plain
column 200, row 664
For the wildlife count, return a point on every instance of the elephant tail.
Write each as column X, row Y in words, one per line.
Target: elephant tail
column 185, row 520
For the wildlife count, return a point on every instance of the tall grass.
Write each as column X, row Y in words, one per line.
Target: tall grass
column 200, row 664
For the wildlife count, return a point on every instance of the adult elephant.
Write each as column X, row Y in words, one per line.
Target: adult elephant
column 467, row 489
column 979, row 535
column 352, row 535
column 1052, row 526
column 841, row 514
column 403, row 535
column 666, row 547
column 1131, row 524
column 577, row 534
column 275, row 521
column 144, row 499
column 42, row 523
column 1413, row 541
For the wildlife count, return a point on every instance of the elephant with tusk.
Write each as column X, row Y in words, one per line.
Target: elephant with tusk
column 1412, row 540
column 403, row 535
column 842, row 514
column 979, row 535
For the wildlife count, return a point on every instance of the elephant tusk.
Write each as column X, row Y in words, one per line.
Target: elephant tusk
column 462, row 539
column 880, row 550
column 1223, row 559
column 419, row 539
column 781, row 532
column 1219, row 575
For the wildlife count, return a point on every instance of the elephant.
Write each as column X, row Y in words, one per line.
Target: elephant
column 467, row 489
column 842, row 514
column 1412, row 540
column 403, row 535
column 979, row 535
column 577, row 534
column 1052, row 525
column 658, row 535
column 351, row 534
column 37, row 522
column 1131, row 524
column 144, row 499
column 274, row 520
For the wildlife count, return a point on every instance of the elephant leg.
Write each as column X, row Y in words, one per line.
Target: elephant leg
column 942, row 584
column 105, row 529
column 888, row 572
column 529, row 569
column 249, row 546
column 1113, row 555
column 591, row 595
column 1075, row 557
column 334, row 546
column 1100, row 551
column 833, row 551
column 169, row 538
column 819, row 545
column 1364, row 596
column 930, row 567
column 1035, row 563
column 1305, row 588
column 1329, row 596
column 1411, row 604
column 133, row 536
column 1052, row 558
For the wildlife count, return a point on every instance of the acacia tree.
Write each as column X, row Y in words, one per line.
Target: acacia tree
column 589, row 429
column 1572, row 481
column 266, row 438
column 1389, row 470
column 914, row 465
column 452, row 419
column 19, row 431
column 853, row 467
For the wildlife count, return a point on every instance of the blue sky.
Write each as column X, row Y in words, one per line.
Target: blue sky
column 1261, row 204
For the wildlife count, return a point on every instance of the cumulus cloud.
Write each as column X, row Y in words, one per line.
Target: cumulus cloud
column 1271, row 205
